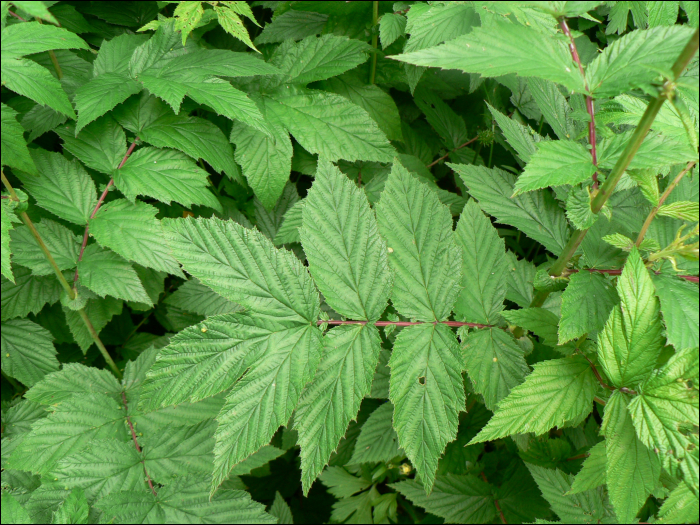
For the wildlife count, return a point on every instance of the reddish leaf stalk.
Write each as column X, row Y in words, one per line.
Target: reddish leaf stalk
column 691, row 278
column 16, row 16
column 589, row 100
column 97, row 207
column 451, row 151
column 136, row 444
column 407, row 323
column 495, row 502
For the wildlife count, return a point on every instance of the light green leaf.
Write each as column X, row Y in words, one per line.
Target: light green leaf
column 657, row 151
column 8, row 218
column 99, row 311
column 634, row 60
column 484, row 267
column 347, row 257
column 585, row 305
column 422, row 252
column 37, row 10
column 265, row 397
column 391, row 27
column 281, row 510
column 12, row 510
column 495, row 364
column 166, row 175
column 631, row 341
column 457, row 499
column 377, row 442
column 73, row 378
column 521, row 137
column 500, row 49
column 679, row 308
column 557, row 391
column 554, row 107
column 187, row 15
column 67, row 430
column 232, row 24
column 585, row 507
column 292, row 25
column 682, row 210
column 100, row 146
column 244, row 267
column 427, row 392
column 266, row 160
column 632, row 469
column 593, row 472
column 28, row 293
column 430, row 25
column 318, row 58
column 132, row 231
column 114, row 54
column 14, row 147
column 186, row 500
column 539, row 321
column 102, row 94
column 288, row 231
column 180, row 449
column 555, row 163
column 332, row 126
column 193, row 296
column 73, row 509
column 28, row 78
column 106, row 273
column 29, row 38
column 64, row 187
column 61, row 242
column 449, row 125
column 681, row 506
column 536, row 214
column 28, row 353
column 343, row 379
column 269, row 222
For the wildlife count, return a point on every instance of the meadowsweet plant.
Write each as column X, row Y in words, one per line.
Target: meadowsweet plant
column 361, row 262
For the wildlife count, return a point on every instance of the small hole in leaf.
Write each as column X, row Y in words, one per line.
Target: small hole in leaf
column 421, row 380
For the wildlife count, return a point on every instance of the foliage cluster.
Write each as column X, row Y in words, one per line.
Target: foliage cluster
column 362, row 262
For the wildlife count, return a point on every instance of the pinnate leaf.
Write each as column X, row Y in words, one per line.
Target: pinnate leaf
column 106, row 273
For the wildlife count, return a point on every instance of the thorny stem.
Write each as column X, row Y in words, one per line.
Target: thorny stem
column 406, row 323
column 589, row 100
column 451, row 151
column 97, row 207
column 70, row 291
column 495, row 502
column 665, row 195
column 136, row 443
column 375, row 16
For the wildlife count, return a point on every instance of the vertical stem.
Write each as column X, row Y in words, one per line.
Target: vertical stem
column 136, row 443
column 375, row 16
column 665, row 195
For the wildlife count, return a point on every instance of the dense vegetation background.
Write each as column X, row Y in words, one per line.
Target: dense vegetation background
column 516, row 180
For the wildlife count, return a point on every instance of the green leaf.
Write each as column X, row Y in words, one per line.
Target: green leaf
column 593, row 472
column 265, row 397
column 74, row 509
column 8, row 217
column 106, row 273
column 14, row 147
column 657, row 151
column 102, row 94
column 504, row 48
column 180, row 449
column 632, row 469
column 232, row 24
column 347, row 258
column 555, row 163
column 679, row 308
column 682, row 210
column 318, row 58
column 457, row 499
column 585, row 305
column 634, row 60
column 73, row 378
column 343, row 379
column 244, row 267
column 12, row 510
column 28, row 353
column 266, row 160
column 186, row 500
column 554, row 107
column 541, row 322
column 64, row 187
column 195, row 136
column 132, row 231
column 29, row 38
column 288, row 231
column 536, row 214
column 631, row 341
column 60, row 241
column 483, row 267
column 495, row 364
column 28, row 78
column 166, row 175
column 522, row 138
column 449, row 125
column 377, row 442
column 187, row 15
column 681, row 506
column 281, row 510
column 341, row 483
column 100, row 146
column 391, row 27
column 269, row 222
column 37, row 10
column 67, row 430
column 557, row 391
column 28, row 293
column 292, row 25
column 114, row 54
column 331, row 126
column 666, row 407
column 193, row 296
column 99, row 311
column 585, row 507
column 257, row 460
column 422, row 253
column 427, row 392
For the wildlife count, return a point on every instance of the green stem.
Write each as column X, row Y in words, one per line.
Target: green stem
column 665, row 195
column 67, row 287
column 375, row 17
